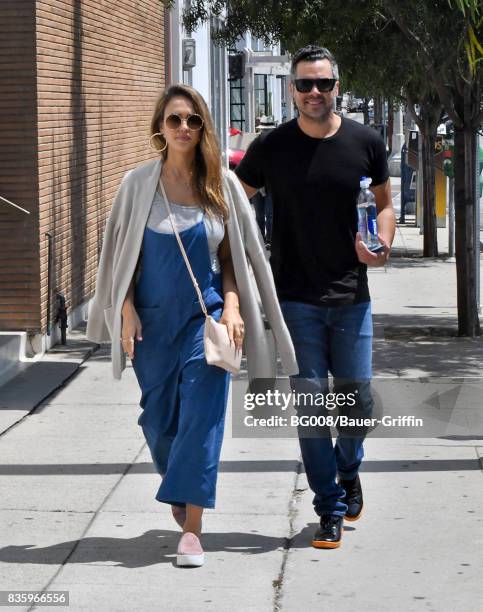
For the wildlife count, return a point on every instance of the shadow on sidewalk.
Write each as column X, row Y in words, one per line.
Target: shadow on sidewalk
column 400, row 260
column 232, row 467
column 34, row 383
column 152, row 547
column 426, row 345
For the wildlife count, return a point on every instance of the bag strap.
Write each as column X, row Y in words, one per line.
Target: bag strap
column 183, row 252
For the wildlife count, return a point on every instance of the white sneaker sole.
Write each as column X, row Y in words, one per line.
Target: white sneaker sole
column 190, row 560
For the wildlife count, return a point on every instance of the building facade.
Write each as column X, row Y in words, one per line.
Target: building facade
column 195, row 60
column 78, row 81
column 259, row 84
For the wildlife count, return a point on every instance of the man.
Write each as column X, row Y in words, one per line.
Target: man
column 312, row 167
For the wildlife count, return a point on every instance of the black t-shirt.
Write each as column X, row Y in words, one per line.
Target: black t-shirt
column 314, row 184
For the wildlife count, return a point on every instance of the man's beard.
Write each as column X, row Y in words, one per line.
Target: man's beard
column 325, row 112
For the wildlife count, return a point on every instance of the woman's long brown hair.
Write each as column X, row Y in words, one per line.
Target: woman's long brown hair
column 207, row 172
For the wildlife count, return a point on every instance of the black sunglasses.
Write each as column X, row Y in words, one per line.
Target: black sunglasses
column 194, row 122
column 323, row 85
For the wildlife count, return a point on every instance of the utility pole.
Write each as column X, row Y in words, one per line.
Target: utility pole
column 477, row 223
column 451, row 221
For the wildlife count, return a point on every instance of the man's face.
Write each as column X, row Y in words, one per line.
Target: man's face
column 314, row 105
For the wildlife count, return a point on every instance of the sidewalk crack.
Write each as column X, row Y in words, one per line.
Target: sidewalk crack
column 292, row 513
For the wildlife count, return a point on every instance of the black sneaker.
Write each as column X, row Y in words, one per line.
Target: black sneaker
column 353, row 498
column 329, row 534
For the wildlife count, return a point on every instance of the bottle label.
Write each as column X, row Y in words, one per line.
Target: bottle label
column 372, row 226
column 371, row 221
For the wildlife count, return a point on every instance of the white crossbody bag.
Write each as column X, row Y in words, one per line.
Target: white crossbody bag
column 219, row 350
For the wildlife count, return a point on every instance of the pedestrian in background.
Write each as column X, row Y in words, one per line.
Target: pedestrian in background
column 262, row 200
column 312, row 166
column 146, row 303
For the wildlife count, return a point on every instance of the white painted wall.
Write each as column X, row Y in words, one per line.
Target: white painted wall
column 175, row 44
column 201, row 77
column 201, row 74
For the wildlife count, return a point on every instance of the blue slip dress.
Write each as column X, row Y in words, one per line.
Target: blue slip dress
column 183, row 398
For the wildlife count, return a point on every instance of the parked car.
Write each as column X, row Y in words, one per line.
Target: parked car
column 238, row 143
column 234, row 157
column 355, row 105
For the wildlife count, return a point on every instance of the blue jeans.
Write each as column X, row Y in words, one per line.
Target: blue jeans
column 335, row 339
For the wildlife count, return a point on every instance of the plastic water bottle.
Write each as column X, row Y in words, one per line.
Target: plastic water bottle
column 366, row 216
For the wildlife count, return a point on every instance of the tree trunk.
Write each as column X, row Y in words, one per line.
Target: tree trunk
column 365, row 110
column 427, row 121
column 430, row 240
column 465, row 177
column 390, row 126
column 378, row 110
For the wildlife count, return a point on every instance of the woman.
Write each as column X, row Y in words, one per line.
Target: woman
column 146, row 300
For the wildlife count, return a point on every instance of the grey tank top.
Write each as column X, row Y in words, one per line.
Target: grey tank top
column 185, row 217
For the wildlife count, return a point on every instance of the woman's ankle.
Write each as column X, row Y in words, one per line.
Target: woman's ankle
column 187, row 528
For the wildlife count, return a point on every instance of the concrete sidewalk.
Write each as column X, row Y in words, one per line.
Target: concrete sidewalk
column 78, row 511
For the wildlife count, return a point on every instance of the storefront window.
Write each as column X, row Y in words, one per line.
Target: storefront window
column 261, row 95
column 237, row 106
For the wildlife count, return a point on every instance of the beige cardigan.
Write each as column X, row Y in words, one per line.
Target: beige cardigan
column 120, row 252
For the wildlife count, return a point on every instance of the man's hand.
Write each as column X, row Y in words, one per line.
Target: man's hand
column 365, row 256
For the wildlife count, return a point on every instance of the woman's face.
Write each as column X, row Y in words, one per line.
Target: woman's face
column 182, row 138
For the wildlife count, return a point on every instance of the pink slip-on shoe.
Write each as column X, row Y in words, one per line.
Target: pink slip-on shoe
column 190, row 552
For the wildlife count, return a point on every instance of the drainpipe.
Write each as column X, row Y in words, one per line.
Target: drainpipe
column 49, row 278
column 61, row 317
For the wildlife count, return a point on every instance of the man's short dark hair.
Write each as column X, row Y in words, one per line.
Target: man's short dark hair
column 312, row 53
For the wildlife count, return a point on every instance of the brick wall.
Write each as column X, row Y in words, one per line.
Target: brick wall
column 100, row 64
column 99, row 67
column 19, row 248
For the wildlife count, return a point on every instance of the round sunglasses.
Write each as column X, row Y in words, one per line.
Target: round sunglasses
column 193, row 122
column 323, row 85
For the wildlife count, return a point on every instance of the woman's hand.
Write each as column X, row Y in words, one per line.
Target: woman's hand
column 234, row 323
column 131, row 328
column 231, row 312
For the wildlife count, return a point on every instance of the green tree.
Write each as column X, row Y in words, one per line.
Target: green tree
column 377, row 61
column 392, row 45
column 444, row 37
column 471, row 10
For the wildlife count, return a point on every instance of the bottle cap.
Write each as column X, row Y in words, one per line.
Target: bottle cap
column 365, row 181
